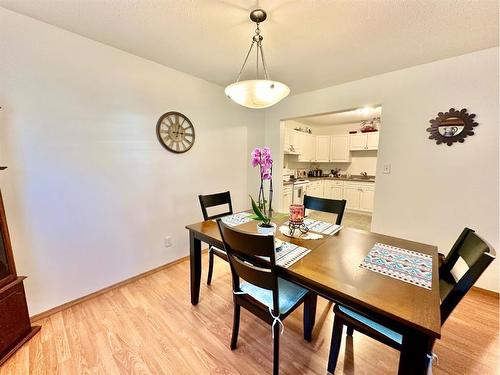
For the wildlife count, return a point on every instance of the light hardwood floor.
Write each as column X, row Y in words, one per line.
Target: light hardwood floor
column 150, row 327
column 351, row 219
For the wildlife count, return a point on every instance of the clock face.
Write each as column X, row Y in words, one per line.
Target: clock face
column 175, row 132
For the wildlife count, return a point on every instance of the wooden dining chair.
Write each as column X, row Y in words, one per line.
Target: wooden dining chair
column 467, row 260
column 262, row 292
column 334, row 206
column 210, row 201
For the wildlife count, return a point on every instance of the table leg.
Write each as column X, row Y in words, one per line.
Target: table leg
column 414, row 359
column 195, row 263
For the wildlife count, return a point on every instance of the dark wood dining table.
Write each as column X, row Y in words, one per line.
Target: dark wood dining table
column 332, row 270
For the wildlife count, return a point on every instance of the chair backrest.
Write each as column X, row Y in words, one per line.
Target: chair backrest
column 334, row 206
column 245, row 252
column 213, row 200
column 466, row 261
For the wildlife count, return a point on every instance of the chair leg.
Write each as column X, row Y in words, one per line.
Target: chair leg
column 309, row 315
column 350, row 330
column 276, row 349
column 236, row 326
column 210, row 265
column 338, row 325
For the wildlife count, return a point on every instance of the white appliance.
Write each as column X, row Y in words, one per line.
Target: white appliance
column 299, row 190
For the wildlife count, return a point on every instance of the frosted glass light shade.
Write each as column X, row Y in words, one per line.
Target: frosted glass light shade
column 257, row 93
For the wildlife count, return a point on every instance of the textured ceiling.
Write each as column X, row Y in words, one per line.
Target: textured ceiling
column 308, row 44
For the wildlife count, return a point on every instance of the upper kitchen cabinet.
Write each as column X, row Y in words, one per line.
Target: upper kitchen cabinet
column 292, row 141
column 372, row 141
column 307, row 147
column 322, row 148
column 339, row 149
column 364, row 141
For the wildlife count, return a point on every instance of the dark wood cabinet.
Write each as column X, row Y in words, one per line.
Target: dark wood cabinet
column 15, row 325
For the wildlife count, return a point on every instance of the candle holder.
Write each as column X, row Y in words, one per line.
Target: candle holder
column 296, row 219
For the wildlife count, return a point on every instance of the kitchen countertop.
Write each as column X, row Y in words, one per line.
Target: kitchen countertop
column 352, row 178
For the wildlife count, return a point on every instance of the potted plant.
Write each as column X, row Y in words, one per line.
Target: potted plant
column 263, row 208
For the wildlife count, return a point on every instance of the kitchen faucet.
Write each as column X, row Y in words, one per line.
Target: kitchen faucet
column 364, row 174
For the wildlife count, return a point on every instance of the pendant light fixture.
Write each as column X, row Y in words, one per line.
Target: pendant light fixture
column 257, row 93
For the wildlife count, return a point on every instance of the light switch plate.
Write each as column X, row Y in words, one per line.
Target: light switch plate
column 167, row 241
column 387, row 168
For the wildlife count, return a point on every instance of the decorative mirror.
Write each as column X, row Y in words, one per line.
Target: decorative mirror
column 452, row 126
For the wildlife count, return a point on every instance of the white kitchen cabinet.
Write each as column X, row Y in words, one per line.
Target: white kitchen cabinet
column 316, row 189
column 364, row 141
column 367, row 197
column 372, row 141
column 322, row 148
column 334, row 189
column 357, row 141
column 359, row 196
column 288, row 134
column 287, row 199
column 352, row 194
column 339, row 149
column 292, row 139
column 307, row 147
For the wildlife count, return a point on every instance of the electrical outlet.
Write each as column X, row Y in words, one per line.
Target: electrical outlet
column 168, row 241
column 387, row 168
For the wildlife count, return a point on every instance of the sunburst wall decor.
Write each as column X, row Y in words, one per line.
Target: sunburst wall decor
column 452, row 126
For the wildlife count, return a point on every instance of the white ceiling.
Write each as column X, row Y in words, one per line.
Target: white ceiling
column 345, row 117
column 308, row 44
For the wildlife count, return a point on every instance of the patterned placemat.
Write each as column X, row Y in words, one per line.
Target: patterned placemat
column 405, row 265
column 237, row 219
column 288, row 253
column 322, row 226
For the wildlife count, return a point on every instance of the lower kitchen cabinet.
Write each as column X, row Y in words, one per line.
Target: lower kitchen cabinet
column 367, row 197
column 287, row 199
column 359, row 195
column 316, row 189
column 334, row 189
column 352, row 194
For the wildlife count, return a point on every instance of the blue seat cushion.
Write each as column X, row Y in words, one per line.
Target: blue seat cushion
column 289, row 294
column 389, row 333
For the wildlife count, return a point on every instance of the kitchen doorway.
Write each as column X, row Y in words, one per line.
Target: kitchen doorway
column 333, row 156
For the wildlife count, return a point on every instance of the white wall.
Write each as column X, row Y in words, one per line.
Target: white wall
column 434, row 190
column 90, row 193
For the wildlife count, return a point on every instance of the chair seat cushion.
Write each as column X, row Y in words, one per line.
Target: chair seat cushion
column 289, row 294
column 389, row 333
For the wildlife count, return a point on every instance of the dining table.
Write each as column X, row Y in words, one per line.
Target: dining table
column 332, row 270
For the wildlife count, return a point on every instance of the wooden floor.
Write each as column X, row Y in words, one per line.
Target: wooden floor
column 351, row 219
column 150, row 327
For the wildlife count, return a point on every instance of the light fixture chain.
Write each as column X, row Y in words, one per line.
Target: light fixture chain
column 245, row 62
column 257, row 49
column 259, row 46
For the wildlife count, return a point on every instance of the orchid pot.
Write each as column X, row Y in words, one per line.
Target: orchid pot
column 262, row 208
column 268, row 229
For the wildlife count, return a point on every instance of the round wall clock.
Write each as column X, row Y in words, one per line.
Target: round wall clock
column 175, row 132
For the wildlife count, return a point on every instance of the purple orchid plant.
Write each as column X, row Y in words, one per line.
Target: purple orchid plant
column 262, row 157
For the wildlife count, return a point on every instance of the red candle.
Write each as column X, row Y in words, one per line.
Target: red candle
column 296, row 213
